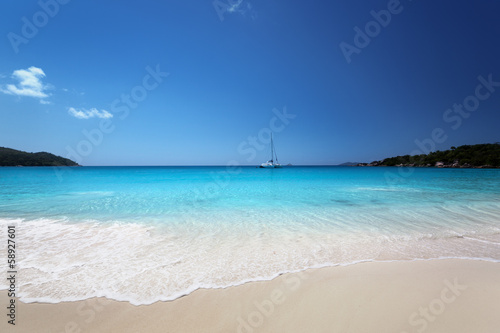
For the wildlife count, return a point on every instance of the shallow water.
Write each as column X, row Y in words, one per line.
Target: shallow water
column 143, row 234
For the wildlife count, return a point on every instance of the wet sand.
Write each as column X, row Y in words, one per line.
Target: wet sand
column 451, row 295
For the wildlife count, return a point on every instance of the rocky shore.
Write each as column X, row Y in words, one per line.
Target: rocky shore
column 437, row 165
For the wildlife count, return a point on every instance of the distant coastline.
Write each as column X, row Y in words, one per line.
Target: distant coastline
column 481, row 156
column 17, row 158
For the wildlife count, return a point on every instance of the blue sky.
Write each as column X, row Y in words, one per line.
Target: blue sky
column 201, row 82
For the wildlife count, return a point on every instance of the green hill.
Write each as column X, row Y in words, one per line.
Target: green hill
column 486, row 155
column 12, row 157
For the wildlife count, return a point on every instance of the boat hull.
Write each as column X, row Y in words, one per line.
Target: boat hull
column 271, row 166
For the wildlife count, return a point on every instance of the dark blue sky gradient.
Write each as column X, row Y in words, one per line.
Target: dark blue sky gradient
column 226, row 77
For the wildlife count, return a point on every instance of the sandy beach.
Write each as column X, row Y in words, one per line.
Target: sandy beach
column 451, row 295
column 240, row 166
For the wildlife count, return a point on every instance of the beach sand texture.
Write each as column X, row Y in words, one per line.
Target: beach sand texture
column 451, row 295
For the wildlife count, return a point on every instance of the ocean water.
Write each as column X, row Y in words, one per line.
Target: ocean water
column 145, row 234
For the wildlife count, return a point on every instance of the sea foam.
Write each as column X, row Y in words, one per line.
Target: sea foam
column 63, row 261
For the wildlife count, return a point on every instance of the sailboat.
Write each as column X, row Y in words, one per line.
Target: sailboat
column 271, row 163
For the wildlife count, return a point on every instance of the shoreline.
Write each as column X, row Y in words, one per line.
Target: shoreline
column 102, row 270
column 255, row 280
column 460, row 295
column 429, row 167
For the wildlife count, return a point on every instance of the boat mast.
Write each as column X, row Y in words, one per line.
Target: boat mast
column 272, row 149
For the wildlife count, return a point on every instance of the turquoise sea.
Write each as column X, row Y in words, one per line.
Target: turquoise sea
column 143, row 234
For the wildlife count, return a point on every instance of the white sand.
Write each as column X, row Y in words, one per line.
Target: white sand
column 418, row 296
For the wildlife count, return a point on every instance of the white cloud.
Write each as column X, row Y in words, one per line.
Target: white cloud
column 89, row 113
column 29, row 83
column 73, row 91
